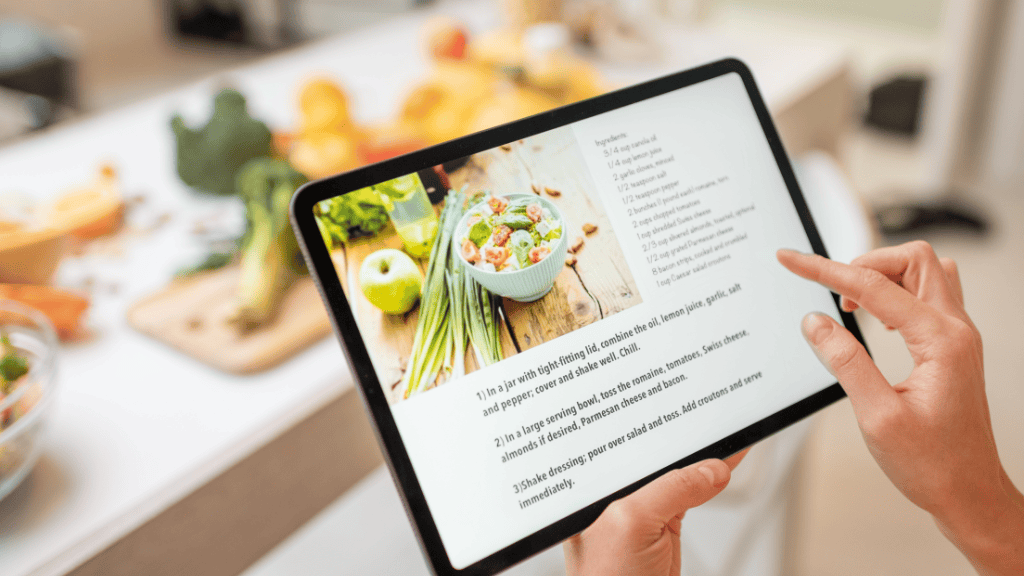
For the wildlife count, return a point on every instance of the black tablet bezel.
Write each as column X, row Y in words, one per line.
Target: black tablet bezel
column 345, row 327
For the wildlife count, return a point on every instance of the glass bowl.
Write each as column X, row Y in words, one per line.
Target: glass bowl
column 24, row 413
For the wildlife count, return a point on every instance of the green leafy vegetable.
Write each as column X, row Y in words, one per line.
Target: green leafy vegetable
column 480, row 232
column 515, row 221
column 209, row 158
column 12, row 364
column 270, row 253
column 521, row 242
column 358, row 213
column 553, row 234
column 536, row 236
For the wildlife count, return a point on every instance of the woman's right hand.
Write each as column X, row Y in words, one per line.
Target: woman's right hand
column 931, row 434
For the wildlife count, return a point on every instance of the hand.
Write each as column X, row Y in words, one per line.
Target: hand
column 931, row 434
column 639, row 534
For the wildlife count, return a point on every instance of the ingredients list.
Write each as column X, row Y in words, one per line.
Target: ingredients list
column 680, row 226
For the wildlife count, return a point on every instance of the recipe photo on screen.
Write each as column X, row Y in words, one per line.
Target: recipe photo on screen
column 580, row 308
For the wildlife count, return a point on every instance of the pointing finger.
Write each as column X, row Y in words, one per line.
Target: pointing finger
column 914, row 266
column 870, row 289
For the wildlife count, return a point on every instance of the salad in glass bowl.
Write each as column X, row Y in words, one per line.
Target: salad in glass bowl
column 514, row 245
column 28, row 348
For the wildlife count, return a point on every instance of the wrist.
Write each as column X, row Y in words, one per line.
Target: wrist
column 989, row 530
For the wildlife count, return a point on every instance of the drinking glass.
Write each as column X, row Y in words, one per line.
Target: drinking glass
column 411, row 213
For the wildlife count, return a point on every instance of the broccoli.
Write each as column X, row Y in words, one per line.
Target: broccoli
column 209, row 158
column 270, row 253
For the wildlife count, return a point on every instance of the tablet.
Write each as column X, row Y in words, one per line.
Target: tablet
column 544, row 316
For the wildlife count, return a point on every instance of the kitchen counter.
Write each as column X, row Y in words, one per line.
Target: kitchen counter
column 157, row 464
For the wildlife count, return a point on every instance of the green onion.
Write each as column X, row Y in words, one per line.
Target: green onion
column 454, row 311
column 433, row 344
column 484, row 329
column 459, row 336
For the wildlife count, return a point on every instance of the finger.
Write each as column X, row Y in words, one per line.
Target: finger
column 572, row 550
column 847, row 305
column 674, row 493
column 915, row 266
column 871, row 290
column 734, row 460
column 953, row 276
column 845, row 357
column 850, row 306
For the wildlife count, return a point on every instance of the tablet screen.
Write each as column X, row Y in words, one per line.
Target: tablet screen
column 588, row 306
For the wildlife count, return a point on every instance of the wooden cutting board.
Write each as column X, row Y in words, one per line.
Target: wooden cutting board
column 188, row 315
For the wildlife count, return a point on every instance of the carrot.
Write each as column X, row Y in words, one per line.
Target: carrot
column 62, row 307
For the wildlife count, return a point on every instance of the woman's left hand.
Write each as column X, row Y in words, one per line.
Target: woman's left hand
column 639, row 534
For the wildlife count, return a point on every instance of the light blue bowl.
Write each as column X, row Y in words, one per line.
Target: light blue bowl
column 530, row 283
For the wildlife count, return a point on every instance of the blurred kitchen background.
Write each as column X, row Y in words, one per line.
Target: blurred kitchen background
column 904, row 118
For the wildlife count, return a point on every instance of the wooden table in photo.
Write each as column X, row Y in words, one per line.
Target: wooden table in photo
column 596, row 285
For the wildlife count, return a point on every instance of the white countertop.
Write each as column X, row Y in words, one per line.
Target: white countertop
column 138, row 425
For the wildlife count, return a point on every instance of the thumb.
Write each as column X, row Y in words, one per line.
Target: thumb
column 671, row 495
column 849, row 362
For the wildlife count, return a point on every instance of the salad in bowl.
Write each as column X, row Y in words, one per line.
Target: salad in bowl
column 514, row 245
column 28, row 349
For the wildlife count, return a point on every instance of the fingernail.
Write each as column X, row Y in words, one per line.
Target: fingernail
column 816, row 327
column 716, row 475
column 791, row 251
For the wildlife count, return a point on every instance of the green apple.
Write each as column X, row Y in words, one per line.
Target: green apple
column 391, row 281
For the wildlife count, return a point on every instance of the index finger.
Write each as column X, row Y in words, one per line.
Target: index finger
column 874, row 292
column 916, row 266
